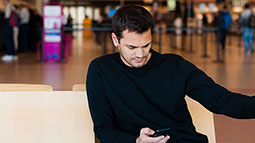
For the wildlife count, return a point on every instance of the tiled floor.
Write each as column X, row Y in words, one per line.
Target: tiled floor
column 237, row 73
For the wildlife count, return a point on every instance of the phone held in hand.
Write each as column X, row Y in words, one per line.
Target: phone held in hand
column 161, row 132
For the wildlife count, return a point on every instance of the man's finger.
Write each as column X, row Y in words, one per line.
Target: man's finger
column 165, row 139
column 153, row 139
column 146, row 131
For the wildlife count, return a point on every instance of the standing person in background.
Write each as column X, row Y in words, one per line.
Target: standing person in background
column 23, row 28
column 69, row 21
column 204, row 20
column 69, row 24
column 15, row 21
column 32, row 29
column 1, row 29
column 87, row 23
column 223, row 22
column 247, row 31
column 8, row 34
column 38, row 24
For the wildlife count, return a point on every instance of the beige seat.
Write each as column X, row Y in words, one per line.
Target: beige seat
column 79, row 87
column 25, row 87
column 82, row 87
column 202, row 119
column 45, row 117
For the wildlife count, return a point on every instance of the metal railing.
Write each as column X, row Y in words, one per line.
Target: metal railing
column 159, row 32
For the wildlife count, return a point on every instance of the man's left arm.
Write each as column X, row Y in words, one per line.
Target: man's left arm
column 216, row 98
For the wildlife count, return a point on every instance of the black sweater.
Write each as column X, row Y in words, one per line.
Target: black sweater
column 123, row 99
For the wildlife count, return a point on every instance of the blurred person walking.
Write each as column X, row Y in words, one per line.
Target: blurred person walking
column 247, row 31
column 23, row 28
column 223, row 22
column 8, row 33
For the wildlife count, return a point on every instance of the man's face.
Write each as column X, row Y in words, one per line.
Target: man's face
column 134, row 48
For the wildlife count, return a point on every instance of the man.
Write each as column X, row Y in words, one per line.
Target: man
column 247, row 31
column 137, row 91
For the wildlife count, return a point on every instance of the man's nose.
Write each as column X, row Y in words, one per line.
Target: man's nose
column 139, row 52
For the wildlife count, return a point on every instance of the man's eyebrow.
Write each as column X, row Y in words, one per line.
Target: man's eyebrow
column 131, row 46
column 147, row 44
column 137, row 46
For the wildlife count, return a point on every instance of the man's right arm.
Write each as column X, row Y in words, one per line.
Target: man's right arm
column 101, row 111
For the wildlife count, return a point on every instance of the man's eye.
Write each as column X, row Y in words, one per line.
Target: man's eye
column 146, row 46
column 130, row 47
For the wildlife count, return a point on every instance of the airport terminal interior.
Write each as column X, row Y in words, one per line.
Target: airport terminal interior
column 231, row 68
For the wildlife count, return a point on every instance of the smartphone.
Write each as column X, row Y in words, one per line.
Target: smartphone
column 161, row 132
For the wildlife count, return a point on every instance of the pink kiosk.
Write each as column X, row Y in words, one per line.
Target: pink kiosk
column 52, row 45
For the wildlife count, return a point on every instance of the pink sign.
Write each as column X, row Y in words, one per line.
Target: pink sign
column 52, row 39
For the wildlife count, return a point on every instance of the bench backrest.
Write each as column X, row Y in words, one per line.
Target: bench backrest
column 45, row 117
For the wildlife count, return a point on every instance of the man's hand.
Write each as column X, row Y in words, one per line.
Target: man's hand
column 145, row 134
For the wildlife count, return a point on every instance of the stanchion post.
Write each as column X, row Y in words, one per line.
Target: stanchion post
column 183, row 39
column 218, row 46
column 191, row 40
column 229, row 35
column 239, row 40
column 160, row 40
column 41, row 51
column 105, row 47
column 239, row 37
column 205, row 44
column 62, row 48
column 171, row 39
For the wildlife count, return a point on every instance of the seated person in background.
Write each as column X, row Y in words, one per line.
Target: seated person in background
column 137, row 91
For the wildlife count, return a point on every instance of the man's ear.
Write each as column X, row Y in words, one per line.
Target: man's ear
column 115, row 40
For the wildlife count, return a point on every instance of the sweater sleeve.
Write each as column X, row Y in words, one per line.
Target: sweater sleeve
column 216, row 98
column 105, row 126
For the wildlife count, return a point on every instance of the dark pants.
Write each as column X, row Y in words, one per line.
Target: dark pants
column 222, row 38
column 8, row 35
column 23, row 37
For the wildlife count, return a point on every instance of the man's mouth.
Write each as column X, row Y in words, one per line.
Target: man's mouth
column 138, row 60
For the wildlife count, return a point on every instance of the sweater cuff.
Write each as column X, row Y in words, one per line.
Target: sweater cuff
column 251, row 106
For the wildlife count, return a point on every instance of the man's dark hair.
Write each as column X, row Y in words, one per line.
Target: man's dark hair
column 132, row 18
